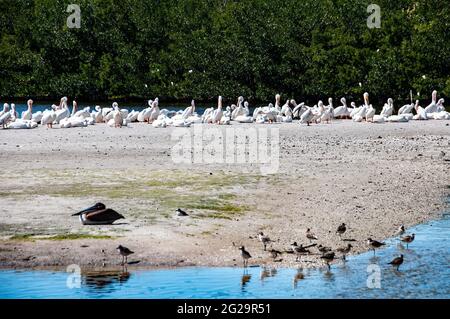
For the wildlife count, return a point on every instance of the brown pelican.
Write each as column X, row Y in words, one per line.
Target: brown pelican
column 98, row 215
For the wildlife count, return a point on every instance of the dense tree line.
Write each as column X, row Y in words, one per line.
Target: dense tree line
column 203, row 48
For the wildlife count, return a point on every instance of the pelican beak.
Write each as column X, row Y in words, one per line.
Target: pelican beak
column 98, row 206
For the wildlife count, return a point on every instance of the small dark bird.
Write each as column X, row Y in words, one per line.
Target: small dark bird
column 264, row 239
column 323, row 249
column 374, row 244
column 397, row 261
column 310, row 235
column 274, row 253
column 245, row 255
column 400, row 230
column 344, row 250
column 408, row 239
column 299, row 250
column 328, row 257
column 181, row 212
column 341, row 229
column 124, row 252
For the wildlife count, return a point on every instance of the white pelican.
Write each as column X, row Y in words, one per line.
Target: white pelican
column 239, row 110
column 440, row 105
column 361, row 112
column 5, row 109
column 217, row 114
column 5, row 115
column 192, row 116
column 97, row 115
column 154, row 112
column 132, row 116
column 407, row 108
column 432, row 107
column 207, row 115
column 370, row 112
column 388, row 108
column 27, row 115
column 307, row 116
column 14, row 114
column 286, row 112
column 298, row 109
column 62, row 111
column 330, row 106
column 48, row 117
column 145, row 113
column 342, row 110
column 22, row 124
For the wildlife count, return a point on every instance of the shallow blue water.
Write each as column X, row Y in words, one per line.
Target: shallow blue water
column 424, row 274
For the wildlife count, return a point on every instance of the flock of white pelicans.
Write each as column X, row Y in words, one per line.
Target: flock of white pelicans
column 115, row 117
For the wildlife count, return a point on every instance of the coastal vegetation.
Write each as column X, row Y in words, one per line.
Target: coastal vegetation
column 182, row 49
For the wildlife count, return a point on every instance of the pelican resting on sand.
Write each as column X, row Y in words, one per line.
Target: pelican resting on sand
column 98, row 214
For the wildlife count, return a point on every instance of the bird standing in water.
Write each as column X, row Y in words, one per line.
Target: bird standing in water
column 396, row 262
column 245, row 255
column 328, row 257
column 374, row 244
column 345, row 250
column 408, row 239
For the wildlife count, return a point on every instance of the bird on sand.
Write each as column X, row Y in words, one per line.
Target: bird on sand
column 345, row 250
column 181, row 212
column 245, row 255
column 274, row 253
column 397, row 261
column 264, row 239
column 408, row 239
column 299, row 250
column 374, row 244
column 328, row 257
column 341, row 229
column 124, row 252
column 310, row 235
column 98, row 214
column 323, row 249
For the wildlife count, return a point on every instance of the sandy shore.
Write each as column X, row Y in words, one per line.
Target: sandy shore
column 372, row 177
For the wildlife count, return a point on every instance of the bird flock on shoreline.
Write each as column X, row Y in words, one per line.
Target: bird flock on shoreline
column 327, row 254
column 98, row 214
column 114, row 116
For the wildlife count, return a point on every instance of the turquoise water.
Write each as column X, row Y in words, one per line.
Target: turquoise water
column 424, row 274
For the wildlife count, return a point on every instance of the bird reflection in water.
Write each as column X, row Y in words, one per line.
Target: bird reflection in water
column 105, row 279
column 245, row 279
column 266, row 273
column 298, row 276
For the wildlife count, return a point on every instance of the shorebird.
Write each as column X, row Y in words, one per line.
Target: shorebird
column 397, row 261
column 323, row 249
column 310, row 235
column 274, row 253
column 374, row 244
column 341, row 229
column 181, row 212
column 400, row 230
column 245, row 255
column 408, row 239
column 98, row 214
column 124, row 252
column 264, row 239
column 328, row 257
column 299, row 250
column 344, row 250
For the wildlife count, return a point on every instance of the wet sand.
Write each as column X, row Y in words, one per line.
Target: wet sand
column 372, row 177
